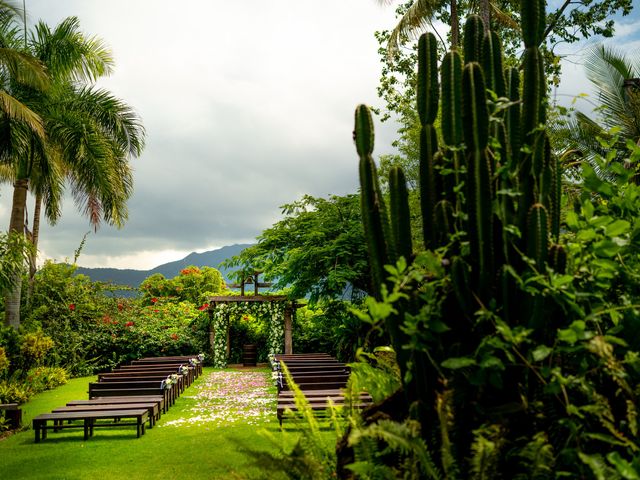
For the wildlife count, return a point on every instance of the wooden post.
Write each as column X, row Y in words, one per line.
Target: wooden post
column 288, row 338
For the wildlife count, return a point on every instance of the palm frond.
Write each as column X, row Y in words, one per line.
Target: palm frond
column 607, row 69
column 24, row 68
column 502, row 18
column 412, row 24
column 69, row 54
column 17, row 111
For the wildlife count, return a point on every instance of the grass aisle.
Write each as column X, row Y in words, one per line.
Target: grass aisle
column 203, row 436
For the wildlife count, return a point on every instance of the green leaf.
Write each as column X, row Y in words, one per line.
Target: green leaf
column 623, row 467
column 541, row 352
column 617, row 228
column 458, row 362
column 606, row 248
column 587, row 210
column 597, row 465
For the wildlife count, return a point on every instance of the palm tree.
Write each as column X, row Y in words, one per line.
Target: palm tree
column 17, row 65
column 617, row 83
column 90, row 138
column 419, row 16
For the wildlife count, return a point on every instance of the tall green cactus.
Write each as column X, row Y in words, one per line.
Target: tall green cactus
column 374, row 216
column 492, row 181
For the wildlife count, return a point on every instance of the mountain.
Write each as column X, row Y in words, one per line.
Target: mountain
column 133, row 278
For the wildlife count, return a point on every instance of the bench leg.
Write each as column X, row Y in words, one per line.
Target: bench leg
column 139, row 426
column 36, row 427
column 87, row 428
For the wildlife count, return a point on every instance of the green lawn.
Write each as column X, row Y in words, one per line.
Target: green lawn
column 179, row 447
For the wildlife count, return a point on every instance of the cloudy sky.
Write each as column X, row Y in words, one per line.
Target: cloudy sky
column 248, row 104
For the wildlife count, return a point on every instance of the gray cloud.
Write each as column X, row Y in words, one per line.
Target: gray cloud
column 248, row 105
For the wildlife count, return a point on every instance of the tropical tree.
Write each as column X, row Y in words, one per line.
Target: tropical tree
column 616, row 79
column 570, row 22
column 317, row 249
column 90, row 138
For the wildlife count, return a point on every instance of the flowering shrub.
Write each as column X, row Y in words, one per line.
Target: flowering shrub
column 192, row 285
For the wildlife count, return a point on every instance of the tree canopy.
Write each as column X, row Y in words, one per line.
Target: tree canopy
column 317, row 249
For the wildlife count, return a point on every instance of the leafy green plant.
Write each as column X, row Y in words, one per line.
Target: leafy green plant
column 4, row 362
column 40, row 379
column 34, row 348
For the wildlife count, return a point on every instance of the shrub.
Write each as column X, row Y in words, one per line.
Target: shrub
column 12, row 391
column 4, row 362
column 34, row 348
column 40, row 379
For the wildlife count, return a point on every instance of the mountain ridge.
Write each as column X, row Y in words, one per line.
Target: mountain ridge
column 133, row 278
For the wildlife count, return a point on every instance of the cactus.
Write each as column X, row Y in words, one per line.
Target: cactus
column 533, row 22
column 452, row 98
column 473, row 36
column 557, row 258
column 399, row 212
column 492, row 64
column 538, row 235
column 428, row 88
column 373, row 208
column 508, row 209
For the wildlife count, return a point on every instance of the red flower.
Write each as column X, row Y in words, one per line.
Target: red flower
column 106, row 319
column 120, row 307
column 203, row 307
column 245, row 318
column 156, row 311
column 129, row 324
column 72, row 306
column 154, row 300
column 174, row 336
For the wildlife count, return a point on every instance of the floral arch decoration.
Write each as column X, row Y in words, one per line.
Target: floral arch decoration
column 277, row 310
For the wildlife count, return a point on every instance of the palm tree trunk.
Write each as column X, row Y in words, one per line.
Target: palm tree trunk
column 455, row 25
column 485, row 14
column 16, row 225
column 35, row 235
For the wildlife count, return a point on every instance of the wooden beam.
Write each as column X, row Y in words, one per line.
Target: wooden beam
column 248, row 298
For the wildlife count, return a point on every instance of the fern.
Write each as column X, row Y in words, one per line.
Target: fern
column 598, row 467
column 445, row 416
column 486, row 449
column 536, row 459
column 390, row 437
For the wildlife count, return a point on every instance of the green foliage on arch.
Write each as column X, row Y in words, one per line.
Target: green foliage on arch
column 271, row 311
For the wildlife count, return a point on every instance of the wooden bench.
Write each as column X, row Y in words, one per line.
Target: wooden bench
column 169, row 362
column 110, row 390
column 159, row 400
column 139, row 377
column 162, row 369
column 320, row 404
column 40, row 426
column 153, row 409
column 317, row 382
column 170, row 393
column 12, row 413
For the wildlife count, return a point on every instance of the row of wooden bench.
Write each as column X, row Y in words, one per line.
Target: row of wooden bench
column 320, row 377
column 130, row 395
